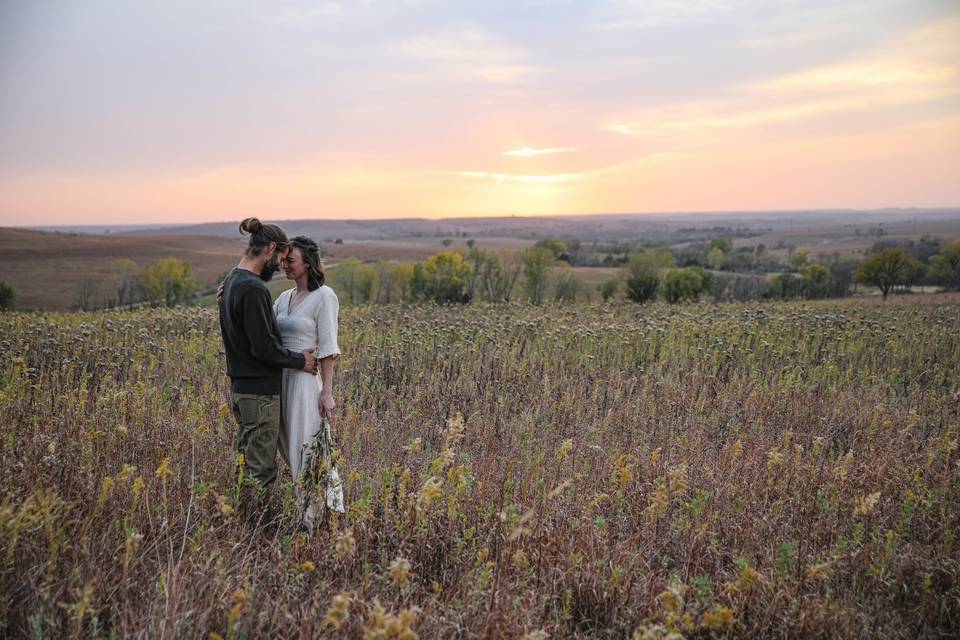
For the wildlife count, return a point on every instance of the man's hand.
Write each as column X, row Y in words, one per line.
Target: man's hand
column 219, row 292
column 310, row 366
column 327, row 405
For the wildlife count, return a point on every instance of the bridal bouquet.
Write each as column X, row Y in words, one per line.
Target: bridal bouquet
column 320, row 474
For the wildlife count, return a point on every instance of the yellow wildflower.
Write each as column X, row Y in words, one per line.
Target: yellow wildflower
column 163, row 471
column 719, row 618
column 429, row 492
column 138, row 487
column 866, row 504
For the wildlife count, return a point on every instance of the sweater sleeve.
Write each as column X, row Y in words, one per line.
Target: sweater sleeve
column 327, row 318
column 261, row 329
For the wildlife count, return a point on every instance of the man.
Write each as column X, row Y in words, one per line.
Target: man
column 256, row 358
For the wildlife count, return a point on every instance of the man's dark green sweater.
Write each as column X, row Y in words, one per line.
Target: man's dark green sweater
column 255, row 355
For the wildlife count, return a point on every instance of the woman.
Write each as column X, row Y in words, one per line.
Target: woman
column 307, row 315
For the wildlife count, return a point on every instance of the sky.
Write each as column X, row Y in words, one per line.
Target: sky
column 132, row 111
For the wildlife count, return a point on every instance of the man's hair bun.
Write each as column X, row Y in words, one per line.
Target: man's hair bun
column 251, row 226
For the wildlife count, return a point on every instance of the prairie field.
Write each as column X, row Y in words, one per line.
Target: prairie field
column 605, row 471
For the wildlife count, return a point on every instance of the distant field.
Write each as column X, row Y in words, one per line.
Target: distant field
column 413, row 249
column 843, row 239
column 49, row 269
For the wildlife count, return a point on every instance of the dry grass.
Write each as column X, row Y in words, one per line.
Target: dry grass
column 716, row 471
column 48, row 269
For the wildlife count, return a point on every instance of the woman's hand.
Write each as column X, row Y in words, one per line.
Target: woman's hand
column 327, row 404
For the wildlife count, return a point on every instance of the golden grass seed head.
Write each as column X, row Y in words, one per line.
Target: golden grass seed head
column 346, row 545
column 399, row 572
column 339, row 610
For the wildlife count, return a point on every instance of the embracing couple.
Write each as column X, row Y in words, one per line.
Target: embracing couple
column 274, row 351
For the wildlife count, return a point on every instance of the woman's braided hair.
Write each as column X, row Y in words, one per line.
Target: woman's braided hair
column 310, row 251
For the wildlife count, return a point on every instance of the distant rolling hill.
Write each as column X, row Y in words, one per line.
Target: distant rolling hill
column 49, row 269
column 600, row 227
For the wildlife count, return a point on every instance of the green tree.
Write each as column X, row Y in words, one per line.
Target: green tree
column 566, row 286
column 642, row 274
column 716, row 258
column 393, row 281
column 169, row 281
column 799, row 259
column 724, row 245
column 8, row 296
column 536, row 267
column 816, row 279
column 945, row 266
column 680, row 285
column 706, row 279
column 556, row 247
column 608, row 288
column 886, row 268
column 786, row 286
column 442, row 277
column 354, row 281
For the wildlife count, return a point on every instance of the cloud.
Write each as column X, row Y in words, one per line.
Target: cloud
column 524, row 179
column 647, row 14
column 471, row 54
column 919, row 69
column 558, row 178
column 528, row 152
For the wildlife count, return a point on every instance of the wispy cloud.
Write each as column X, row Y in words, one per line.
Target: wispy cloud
column 917, row 70
column 529, row 152
column 523, row 179
column 471, row 54
column 559, row 178
column 647, row 14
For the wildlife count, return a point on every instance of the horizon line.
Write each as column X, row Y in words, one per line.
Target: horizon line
column 712, row 212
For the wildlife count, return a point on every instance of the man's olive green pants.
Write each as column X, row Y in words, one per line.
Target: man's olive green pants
column 258, row 429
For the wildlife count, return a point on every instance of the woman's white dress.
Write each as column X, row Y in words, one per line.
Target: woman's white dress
column 311, row 325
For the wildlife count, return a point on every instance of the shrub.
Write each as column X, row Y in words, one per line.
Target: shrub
column 8, row 296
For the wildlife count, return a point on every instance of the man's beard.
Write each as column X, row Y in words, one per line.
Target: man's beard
column 271, row 267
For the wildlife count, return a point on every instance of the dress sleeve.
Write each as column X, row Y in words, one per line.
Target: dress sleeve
column 276, row 304
column 327, row 317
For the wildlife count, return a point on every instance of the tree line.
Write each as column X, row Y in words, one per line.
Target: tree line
column 543, row 272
